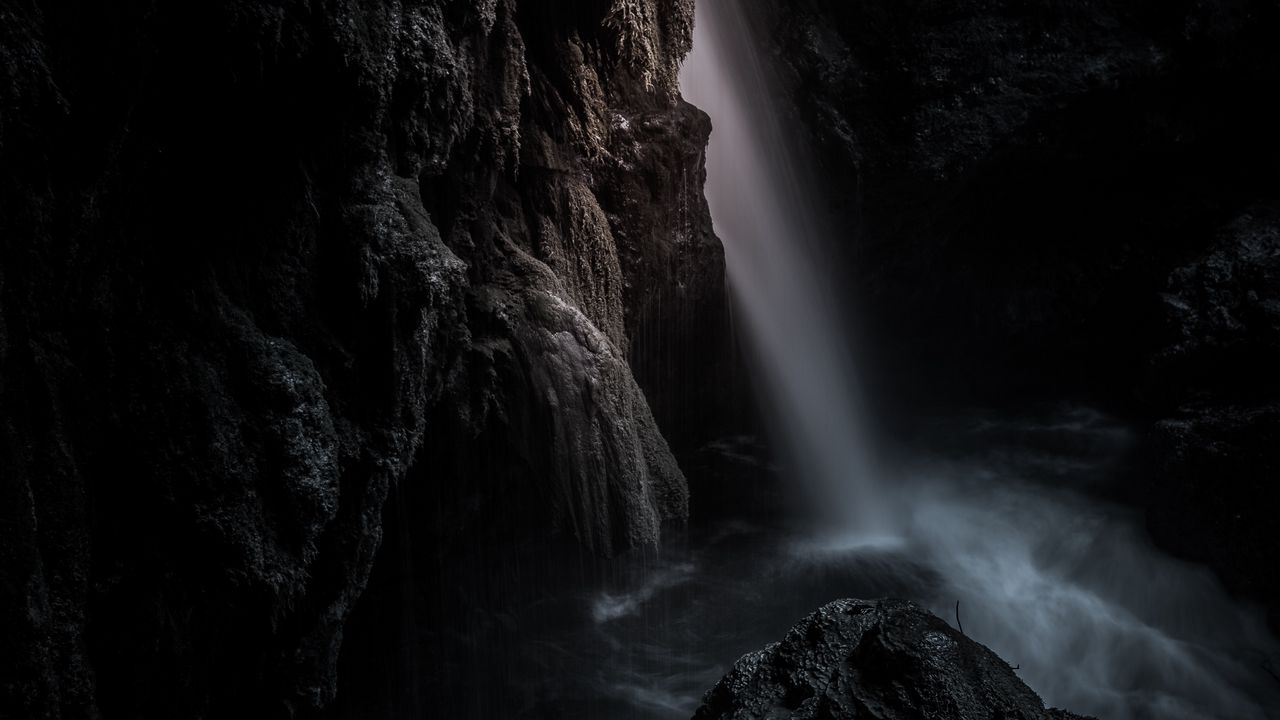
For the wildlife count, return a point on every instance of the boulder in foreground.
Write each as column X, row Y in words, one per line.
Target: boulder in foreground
column 883, row 660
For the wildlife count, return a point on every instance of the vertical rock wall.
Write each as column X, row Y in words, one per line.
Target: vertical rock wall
column 261, row 262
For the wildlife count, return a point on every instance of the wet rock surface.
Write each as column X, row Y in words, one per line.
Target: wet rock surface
column 887, row 659
column 266, row 265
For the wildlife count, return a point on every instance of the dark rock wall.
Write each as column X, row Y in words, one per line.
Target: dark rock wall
column 1215, row 487
column 1066, row 201
column 260, row 263
column 1022, row 177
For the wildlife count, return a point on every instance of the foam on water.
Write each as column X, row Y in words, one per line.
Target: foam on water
column 611, row 606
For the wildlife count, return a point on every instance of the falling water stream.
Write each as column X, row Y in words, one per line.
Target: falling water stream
column 763, row 209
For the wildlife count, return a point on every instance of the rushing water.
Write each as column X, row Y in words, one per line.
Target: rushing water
column 1060, row 583
column 1053, row 579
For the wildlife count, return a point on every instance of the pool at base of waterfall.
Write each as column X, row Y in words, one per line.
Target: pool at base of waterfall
column 1007, row 530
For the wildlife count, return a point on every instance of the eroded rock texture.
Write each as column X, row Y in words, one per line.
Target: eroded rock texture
column 1215, row 488
column 886, row 660
column 1065, row 202
column 260, row 263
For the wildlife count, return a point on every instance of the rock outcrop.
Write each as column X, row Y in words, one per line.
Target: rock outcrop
column 885, row 660
column 1222, row 311
column 1214, row 488
column 264, row 263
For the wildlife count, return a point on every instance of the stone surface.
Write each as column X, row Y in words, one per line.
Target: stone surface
column 1213, row 490
column 266, row 263
column 1222, row 314
column 885, row 660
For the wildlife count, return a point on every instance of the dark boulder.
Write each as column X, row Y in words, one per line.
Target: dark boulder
column 883, row 660
column 1222, row 313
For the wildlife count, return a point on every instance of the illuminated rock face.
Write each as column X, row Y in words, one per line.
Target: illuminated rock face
column 264, row 264
column 885, row 660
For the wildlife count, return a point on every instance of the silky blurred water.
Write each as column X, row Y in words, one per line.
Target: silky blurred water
column 1057, row 581
column 1006, row 515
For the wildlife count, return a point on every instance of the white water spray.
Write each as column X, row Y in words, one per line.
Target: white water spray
column 1068, row 587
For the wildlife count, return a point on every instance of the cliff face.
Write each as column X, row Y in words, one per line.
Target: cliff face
column 1066, row 203
column 260, row 264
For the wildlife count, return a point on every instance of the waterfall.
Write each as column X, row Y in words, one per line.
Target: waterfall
column 762, row 206
column 1052, row 578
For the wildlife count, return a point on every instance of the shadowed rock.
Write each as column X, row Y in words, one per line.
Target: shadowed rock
column 266, row 269
column 887, row 660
